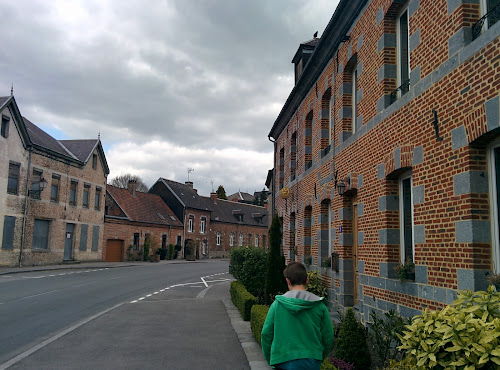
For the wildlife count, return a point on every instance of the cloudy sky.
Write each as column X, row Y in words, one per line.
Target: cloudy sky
column 169, row 84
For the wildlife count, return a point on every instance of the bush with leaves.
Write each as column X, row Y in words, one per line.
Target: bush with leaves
column 336, row 364
column 315, row 284
column 171, row 251
column 384, row 335
column 147, row 245
column 275, row 281
column 464, row 335
column 258, row 316
column 248, row 266
column 351, row 343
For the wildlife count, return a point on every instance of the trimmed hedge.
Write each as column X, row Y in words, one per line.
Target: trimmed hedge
column 242, row 299
column 257, row 319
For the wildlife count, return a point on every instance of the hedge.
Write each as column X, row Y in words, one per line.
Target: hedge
column 242, row 299
column 257, row 319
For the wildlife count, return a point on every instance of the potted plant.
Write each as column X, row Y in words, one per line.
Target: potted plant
column 495, row 280
column 405, row 271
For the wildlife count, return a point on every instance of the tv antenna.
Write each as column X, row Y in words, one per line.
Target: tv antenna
column 189, row 171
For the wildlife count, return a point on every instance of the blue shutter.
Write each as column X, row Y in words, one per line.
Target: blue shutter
column 9, row 222
column 41, row 234
column 83, row 237
column 95, row 238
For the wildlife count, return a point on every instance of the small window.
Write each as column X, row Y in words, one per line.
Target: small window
column 54, row 188
column 86, row 191
column 35, row 184
column 13, row 181
column 249, row 239
column 172, row 218
column 5, row 127
column 241, row 240
column 72, row 192
column 136, row 241
column 160, row 216
column 354, row 98
column 83, row 237
column 231, row 240
column 94, row 161
column 203, row 225
column 219, row 237
column 256, row 240
column 403, row 53
column 41, row 234
column 191, row 224
column 406, row 218
column 164, row 241
column 9, row 223
column 97, row 202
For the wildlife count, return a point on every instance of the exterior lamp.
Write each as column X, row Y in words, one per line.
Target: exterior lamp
column 37, row 188
column 341, row 186
column 42, row 184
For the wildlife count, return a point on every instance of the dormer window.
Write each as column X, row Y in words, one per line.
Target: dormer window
column 303, row 55
column 238, row 214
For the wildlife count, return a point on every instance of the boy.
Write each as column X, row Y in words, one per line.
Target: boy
column 298, row 331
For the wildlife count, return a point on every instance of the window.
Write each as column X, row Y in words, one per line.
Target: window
column 191, row 224
column 403, row 53
column 5, row 126
column 86, row 190
column 95, row 238
column 204, row 247
column 241, row 240
column 231, row 239
column 13, row 181
column 72, row 192
column 354, row 98
column 9, row 223
column 249, row 239
column 94, row 161
column 489, row 8
column 35, row 184
column 41, row 234
column 164, row 241
column 282, row 168
column 256, row 240
column 136, row 241
column 293, row 156
column 494, row 171
column 97, row 202
column 202, row 225
column 54, row 188
column 219, row 237
column 83, row 237
column 406, row 218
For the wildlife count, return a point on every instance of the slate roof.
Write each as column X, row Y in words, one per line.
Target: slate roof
column 3, row 100
column 242, row 197
column 188, row 196
column 81, row 149
column 41, row 138
column 143, row 207
column 226, row 211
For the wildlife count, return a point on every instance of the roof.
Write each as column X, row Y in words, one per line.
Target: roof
column 41, row 138
column 187, row 195
column 81, row 149
column 3, row 100
column 242, row 197
column 226, row 211
column 308, row 45
column 143, row 207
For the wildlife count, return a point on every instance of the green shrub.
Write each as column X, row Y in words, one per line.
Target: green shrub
column 163, row 253
column 147, row 245
column 464, row 335
column 171, row 251
column 350, row 344
column 248, row 266
column 275, row 281
column 327, row 365
column 242, row 299
column 315, row 284
column 257, row 318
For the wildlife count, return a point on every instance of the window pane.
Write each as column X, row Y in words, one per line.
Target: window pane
column 72, row 193
column 54, row 189
column 407, row 219
column 404, row 56
column 13, row 181
column 86, row 197
column 41, row 234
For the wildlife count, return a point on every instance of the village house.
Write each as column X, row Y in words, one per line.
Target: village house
column 131, row 216
column 51, row 194
column 387, row 153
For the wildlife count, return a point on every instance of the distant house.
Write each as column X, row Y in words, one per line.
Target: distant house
column 212, row 226
column 241, row 197
column 130, row 216
column 51, row 194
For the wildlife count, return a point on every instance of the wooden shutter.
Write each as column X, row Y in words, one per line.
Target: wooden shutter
column 95, row 238
column 9, row 223
column 83, row 237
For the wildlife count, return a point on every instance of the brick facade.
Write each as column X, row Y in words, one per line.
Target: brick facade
column 439, row 134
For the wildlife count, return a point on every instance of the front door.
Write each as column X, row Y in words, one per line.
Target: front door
column 355, row 249
column 68, row 242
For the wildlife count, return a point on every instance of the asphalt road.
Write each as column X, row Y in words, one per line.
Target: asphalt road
column 144, row 316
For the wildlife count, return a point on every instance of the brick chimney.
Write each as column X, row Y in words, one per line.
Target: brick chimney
column 189, row 184
column 132, row 184
column 213, row 196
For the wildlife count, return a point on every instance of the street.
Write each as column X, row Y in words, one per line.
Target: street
column 141, row 316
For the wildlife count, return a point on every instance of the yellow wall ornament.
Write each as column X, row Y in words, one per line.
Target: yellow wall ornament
column 285, row 193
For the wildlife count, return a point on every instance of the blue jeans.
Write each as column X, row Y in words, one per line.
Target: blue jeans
column 300, row 364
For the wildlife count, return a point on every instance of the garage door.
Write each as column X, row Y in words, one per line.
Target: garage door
column 114, row 250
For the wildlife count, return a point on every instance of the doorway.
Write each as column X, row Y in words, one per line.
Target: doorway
column 68, row 242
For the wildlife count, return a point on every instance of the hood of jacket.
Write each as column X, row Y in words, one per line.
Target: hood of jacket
column 299, row 300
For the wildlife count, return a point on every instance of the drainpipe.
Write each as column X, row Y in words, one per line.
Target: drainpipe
column 183, row 233
column 23, row 229
column 274, row 176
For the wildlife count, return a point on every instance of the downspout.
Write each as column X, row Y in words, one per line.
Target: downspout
column 23, row 229
column 274, row 176
column 183, row 233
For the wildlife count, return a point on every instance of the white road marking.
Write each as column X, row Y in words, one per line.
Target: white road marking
column 204, row 282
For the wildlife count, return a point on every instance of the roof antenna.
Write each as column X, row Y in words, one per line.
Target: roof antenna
column 212, row 182
column 99, row 135
column 189, row 171
column 315, row 35
column 12, row 89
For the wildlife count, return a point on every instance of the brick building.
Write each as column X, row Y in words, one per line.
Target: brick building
column 212, row 225
column 51, row 194
column 396, row 107
column 130, row 216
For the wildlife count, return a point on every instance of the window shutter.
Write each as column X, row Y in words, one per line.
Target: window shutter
column 8, row 232
column 83, row 237
column 95, row 238
column 41, row 234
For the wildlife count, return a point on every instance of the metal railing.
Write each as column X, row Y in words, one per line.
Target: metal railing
column 492, row 17
column 403, row 89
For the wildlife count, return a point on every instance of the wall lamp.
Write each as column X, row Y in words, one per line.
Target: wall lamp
column 38, row 187
column 341, row 186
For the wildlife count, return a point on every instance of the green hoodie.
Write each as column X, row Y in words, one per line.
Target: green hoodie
column 298, row 325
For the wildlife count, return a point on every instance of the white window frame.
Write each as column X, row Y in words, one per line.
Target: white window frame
column 406, row 175
column 399, row 81
column 203, row 225
column 190, row 224
column 219, row 236
column 483, row 6
column 256, row 240
column 354, row 98
column 241, row 240
column 231, row 240
column 495, row 244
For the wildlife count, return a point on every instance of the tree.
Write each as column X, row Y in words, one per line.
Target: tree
column 275, row 282
column 221, row 193
column 122, row 182
column 351, row 343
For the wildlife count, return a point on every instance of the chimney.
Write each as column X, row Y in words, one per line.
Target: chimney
column 189, row 184
column 132, row 184
column 213, row 196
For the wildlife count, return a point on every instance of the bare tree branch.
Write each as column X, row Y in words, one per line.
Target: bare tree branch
column 122, row 182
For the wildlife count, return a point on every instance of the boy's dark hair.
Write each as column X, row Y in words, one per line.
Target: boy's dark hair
column 296, row 273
